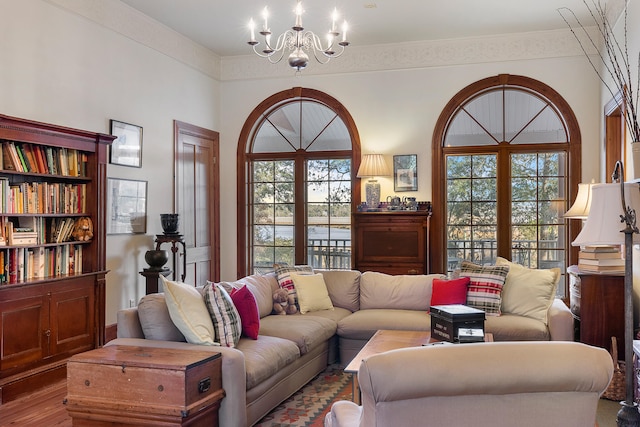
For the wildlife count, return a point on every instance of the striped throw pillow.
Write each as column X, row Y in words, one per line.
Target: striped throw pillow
column 485, row 286
column 225, row 317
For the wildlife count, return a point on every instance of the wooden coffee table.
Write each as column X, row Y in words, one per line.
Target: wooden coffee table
column 385, row 340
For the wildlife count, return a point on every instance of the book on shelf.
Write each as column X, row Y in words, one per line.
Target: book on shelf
column 599, row 255
column 8, row 162
column 602, row 262
column 601, row 268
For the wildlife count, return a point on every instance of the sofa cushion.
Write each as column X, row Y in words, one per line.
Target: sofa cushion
column 247, row 308
column 265, row 357
column 337, row 314
column 283, row 272
column 528, row 292
column 155, row 320
column 343, row 287
column 364, row 323
column 262, row 287
column 306, row 332
column 403, row 292
column 454, row 291
column 485, row 287
column 189, row 312
column 511, row 327
column 312, row 292
column 224, row 315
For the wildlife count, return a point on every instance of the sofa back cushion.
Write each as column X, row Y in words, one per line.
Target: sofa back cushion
column 262, row 286
column 343, row 287
column 402, row 292
column 155, row 320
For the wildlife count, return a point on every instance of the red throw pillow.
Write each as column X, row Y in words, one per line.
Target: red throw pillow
column 247, row 307
column 445, row 292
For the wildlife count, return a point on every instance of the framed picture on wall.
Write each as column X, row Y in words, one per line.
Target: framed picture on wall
column 126, row 206
column 126, row 149
column 405, row 172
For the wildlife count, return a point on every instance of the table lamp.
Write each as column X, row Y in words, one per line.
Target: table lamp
column 612, row 221
column 373, row 165
column 582, row 204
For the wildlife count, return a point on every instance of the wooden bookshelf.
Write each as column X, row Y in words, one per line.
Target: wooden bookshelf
column 52, row 287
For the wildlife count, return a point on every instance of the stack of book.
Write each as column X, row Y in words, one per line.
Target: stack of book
column 601, row 259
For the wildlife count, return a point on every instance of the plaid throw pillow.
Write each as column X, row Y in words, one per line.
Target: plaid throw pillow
column 225, row 317
column 485, row 286
column 285, row 281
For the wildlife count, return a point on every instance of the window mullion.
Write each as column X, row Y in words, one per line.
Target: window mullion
column 300, row 215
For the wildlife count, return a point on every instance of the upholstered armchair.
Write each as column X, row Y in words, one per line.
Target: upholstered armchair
column 484, row 384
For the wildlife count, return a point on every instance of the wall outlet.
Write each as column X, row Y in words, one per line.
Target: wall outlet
column 132, row 303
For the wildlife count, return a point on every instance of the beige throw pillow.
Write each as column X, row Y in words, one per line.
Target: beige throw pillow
column 189, row 312
column 528, row 292
column 312, row 292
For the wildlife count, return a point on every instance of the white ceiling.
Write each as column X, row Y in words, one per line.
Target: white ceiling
column 222, row 25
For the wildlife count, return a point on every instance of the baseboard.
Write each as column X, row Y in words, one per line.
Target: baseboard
column 110, row 332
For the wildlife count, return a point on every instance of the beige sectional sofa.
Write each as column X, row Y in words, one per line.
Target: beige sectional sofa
column 257, row 375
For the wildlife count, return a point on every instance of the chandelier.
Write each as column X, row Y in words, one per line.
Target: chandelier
column 299, row 42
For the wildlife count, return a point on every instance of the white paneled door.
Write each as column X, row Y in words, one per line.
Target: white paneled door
column 197, row 197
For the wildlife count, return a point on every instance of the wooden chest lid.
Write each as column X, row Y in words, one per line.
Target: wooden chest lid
column 148, row 357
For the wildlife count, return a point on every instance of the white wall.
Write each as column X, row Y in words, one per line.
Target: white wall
column 67, row 62
column 61, row 68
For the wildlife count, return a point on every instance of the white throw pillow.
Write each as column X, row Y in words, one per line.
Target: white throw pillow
column 312, row 292
column 189, row 312
column 528, row 292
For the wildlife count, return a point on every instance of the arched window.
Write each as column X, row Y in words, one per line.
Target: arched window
column 297, row 156
column 506, row 167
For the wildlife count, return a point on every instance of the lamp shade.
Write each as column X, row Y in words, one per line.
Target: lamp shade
column 603, row 226
column 582, row 204
column 373, row 165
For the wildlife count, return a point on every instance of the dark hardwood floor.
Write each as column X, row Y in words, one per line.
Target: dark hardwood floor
column 42, row 408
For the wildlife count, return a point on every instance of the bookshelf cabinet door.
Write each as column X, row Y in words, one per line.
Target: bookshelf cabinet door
column 24, row 332
column 72, row 316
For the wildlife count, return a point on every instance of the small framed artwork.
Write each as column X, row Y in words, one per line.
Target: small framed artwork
column 127, row 206
column 126, row 149
column 405, row 172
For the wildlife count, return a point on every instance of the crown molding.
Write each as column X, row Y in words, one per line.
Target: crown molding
column 434, row 53
column 133, row 24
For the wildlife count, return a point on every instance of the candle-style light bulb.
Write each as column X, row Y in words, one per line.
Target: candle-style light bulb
column 334, row 18
column 265, row 16
column 298, row 12
column 252, row 27
column 344, row 31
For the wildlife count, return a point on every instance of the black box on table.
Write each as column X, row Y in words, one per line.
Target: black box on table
column 457, row 323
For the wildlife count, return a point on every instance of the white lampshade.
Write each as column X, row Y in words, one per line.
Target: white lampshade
column 582, row 204
column 373, row 165
column 603, row 226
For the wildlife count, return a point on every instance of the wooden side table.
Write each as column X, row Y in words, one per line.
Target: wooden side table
column 144, row 386
column 597, row 305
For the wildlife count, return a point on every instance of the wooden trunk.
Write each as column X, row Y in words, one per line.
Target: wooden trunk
column 128, row 385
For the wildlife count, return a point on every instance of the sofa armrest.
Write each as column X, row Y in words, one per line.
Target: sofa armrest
column 560, row 321
column 129, row 323
column 343, row 414
column 233, row 408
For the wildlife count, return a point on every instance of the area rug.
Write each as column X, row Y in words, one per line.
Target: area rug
column 308, row 406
